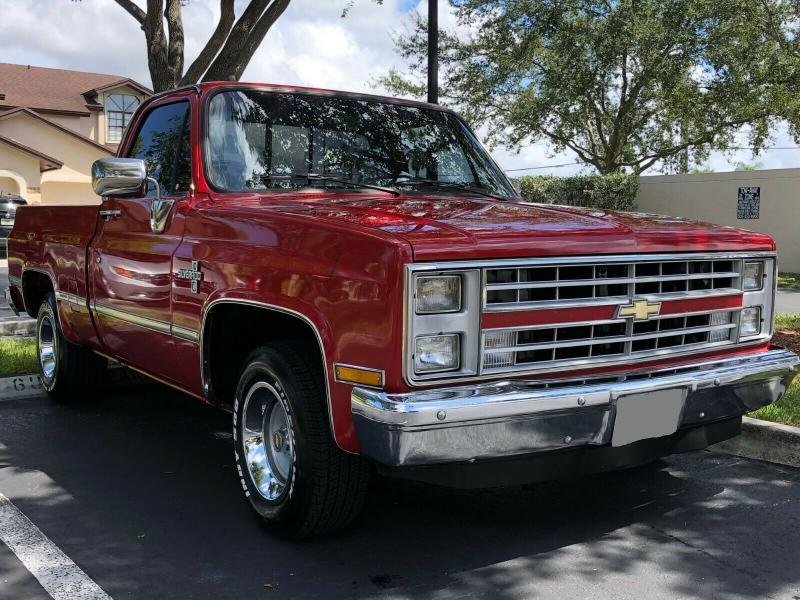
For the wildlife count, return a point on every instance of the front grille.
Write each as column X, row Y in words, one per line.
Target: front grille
column 568, row 285
column 544, row 285
column 605, row 340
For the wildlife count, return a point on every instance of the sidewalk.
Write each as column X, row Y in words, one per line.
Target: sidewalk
column 10, row 324
column 787, row 301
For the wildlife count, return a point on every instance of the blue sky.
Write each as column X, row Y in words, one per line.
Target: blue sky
column 310, row 45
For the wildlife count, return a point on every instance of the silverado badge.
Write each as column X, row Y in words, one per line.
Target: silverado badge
column 640, row 310
column 195, row 275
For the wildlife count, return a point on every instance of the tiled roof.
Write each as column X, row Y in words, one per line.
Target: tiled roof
column 56, row 90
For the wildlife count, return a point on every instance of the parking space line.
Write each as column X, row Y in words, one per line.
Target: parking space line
column 55, row 571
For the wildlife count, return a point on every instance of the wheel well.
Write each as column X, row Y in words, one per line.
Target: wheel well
column 232, row 331
column 35, row 286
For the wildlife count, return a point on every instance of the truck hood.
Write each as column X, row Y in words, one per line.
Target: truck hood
column 450, row 227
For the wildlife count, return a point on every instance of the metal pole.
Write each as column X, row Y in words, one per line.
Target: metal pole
column 433, row 51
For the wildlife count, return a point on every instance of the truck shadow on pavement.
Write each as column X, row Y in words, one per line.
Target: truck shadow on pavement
column 141, row 492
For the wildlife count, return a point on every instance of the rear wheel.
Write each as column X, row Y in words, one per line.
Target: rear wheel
column 70, row 373
column 293, row 474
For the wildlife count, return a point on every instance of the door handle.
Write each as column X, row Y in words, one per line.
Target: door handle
column 107, row 215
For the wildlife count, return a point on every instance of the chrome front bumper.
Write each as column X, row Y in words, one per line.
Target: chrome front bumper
column 515, row 417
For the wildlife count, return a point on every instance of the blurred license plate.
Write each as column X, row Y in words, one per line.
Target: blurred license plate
column 7, row 222
column 648, row 415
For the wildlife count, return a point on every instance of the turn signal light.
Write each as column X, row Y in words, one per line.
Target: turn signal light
column 348, row 374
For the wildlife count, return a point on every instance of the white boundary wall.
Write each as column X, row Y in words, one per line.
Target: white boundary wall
column 713, row 197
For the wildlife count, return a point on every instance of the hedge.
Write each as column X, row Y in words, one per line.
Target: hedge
column 615, row 192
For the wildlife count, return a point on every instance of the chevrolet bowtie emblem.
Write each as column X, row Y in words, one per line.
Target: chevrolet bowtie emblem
column 640, row 310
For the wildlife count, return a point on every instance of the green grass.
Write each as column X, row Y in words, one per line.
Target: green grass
column 17, row 356
column 788, row 281
column 786, row 321
column 786, row 410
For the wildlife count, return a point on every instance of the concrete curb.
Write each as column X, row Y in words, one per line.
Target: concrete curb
column 764, row 440
column 18, row 327
column 30, row 386
column 21, row 386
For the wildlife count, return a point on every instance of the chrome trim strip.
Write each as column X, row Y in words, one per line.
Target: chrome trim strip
column 288, row 311
column 186, row 333
column 134, row 319
column 515, row 417
column 71, row 299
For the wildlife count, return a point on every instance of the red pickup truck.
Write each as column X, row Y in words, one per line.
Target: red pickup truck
column 357, row 281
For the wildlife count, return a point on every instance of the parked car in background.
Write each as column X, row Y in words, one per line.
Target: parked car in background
column 357, row 281
column 8, row 210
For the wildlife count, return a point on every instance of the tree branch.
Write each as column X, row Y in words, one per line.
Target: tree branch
column 133, row 10
column 175, row 45
column 237, row 37
column 244, row 39
column 200, row 65
column 157, row 53
column 256, row 36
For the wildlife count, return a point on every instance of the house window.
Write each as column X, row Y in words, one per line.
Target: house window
column 119, row 110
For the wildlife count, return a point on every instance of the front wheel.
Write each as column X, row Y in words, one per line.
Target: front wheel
column 293, row 474
column 70, row 373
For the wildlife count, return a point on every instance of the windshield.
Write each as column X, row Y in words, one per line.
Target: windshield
column 270, row 140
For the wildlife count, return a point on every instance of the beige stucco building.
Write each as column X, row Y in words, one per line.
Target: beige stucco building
column 767, row 201
column 54, row 124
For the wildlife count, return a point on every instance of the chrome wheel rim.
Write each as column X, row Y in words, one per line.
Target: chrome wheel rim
column 47, row 348
column 267, row 440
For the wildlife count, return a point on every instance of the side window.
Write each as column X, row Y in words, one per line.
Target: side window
column 163, row 143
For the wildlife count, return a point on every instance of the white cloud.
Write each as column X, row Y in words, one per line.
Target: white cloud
column 310, row 45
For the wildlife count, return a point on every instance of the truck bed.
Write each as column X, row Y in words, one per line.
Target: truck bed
column 53, row 239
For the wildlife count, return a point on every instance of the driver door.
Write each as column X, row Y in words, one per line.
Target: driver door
column 131, row 262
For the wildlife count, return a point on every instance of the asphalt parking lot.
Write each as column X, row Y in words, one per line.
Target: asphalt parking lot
column 139, row 491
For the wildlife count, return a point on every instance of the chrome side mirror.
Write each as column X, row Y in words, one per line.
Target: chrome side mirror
column 128, row 177
column 118, row 176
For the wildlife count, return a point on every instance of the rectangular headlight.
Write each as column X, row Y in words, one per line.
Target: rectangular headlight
column 437, row 353
column 753, row 275
column 750, row 322
column 438, row 294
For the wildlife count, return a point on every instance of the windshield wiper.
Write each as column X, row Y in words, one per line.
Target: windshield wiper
column 319, row 177
column 448, row 184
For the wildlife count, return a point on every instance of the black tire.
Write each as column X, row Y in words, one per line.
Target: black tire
column 75, row 373
column 325, row 487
